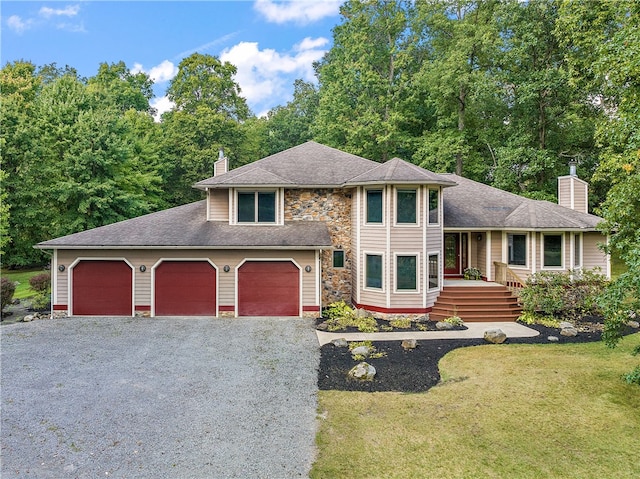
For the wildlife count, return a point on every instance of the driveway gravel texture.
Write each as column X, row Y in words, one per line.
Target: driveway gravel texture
column 159, row 398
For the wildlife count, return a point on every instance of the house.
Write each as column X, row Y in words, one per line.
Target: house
column 292, row 232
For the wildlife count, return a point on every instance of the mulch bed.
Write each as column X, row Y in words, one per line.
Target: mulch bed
column 417, row 370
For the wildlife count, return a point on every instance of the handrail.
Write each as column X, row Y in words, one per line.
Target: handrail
column 509, row 278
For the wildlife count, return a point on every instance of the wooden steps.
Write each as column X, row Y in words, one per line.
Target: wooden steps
column 476, row 303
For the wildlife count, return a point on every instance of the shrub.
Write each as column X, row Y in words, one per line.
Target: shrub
column 632, row 377
column 402, row 323
column 40, row 282
column 7, row 288
column 455, row 320
column 342, row 316
column 472, row 273
column 531, row 318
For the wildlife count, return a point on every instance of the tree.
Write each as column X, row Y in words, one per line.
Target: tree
column 365, row 81
column 116, row 85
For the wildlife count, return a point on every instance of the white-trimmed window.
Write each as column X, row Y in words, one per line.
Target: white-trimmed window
column 375, row 202
column 517, row 249
column 434, row 207
column 577, row 250
column 256, row 206
column 407, row 272
column 552, row 250
column 373, row 271
column 433, row 265
column 338, row 258
column 406, row 206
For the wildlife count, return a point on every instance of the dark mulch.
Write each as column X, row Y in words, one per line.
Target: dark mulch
column 384, row 325
column 417, row 370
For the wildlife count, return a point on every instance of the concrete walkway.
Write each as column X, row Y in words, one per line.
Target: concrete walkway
column 475, row 330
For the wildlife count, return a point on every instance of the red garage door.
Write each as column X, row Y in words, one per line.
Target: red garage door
column 185, row 288
column 102, row 288
column 268, row 288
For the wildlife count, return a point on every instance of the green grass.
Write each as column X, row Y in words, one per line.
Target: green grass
column 23, row 290
column 511, row 411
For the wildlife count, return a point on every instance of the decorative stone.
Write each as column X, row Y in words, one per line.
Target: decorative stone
column 323, row 326
column 361, row 351
column 362, row 372
column 565, row 324
column 569, row 332
column 363, row 313
column 495, row 336
column 553, row 339
column 633, row 324
column 444, row 326
column 409, row 344
column 28, row 318
column 340, row 343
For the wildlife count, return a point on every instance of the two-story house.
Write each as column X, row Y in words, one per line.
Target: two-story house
column 292, row 232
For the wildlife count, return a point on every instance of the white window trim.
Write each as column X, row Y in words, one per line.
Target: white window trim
column 440, row 271
column 439, row 221
column 395, row 273
column 577, row 238
column 417, row 191
column 366, row 206
column 527, row 254
column 344, row 259
column 279, row 206
column 364, row 270
column 562, row 250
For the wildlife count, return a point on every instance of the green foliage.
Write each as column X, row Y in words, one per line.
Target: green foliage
column 633, row 377
column 7, row 288
column 373, row 352
column 40, row 282
column 566, row 294
column 455, row 320
column 401, row 323
column 532, row 318
column 472, row 274
column 342, row 316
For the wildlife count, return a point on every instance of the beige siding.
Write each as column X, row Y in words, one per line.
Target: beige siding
column 496, row 251
column 218, row 205
column 573, row 193
column 592, row 256
column 220, row 258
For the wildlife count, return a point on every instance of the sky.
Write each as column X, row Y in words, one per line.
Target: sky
column 271, row 43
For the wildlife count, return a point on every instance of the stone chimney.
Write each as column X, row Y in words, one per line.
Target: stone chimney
column 572, row 191
column 221, row 166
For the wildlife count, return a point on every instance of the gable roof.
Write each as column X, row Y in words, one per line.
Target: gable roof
column 186, row 226
column 314, row 165
column 471, row 204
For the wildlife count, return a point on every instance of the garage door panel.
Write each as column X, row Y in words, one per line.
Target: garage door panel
column 268, row 288
column 102, row 288
column 185, row 288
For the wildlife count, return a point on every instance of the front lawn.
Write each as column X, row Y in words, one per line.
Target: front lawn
column 520, row 410
column 23, row 290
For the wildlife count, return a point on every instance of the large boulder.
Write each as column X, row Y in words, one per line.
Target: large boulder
column 409, row 344
column 495, row 336
column 363, row 351
column 569, row 332
column 362, row 372
column 340, row 343
column 444, row 326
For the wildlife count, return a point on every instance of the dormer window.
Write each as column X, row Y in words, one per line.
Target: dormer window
column 256, row 207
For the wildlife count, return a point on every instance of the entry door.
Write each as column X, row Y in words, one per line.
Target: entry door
column 452, row 254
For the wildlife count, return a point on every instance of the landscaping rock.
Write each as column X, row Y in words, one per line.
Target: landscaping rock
column 363, row 313
column 569, row 332
column 565, row 324
column 361, row 351
column 340, row 343
column 409, row 344
column 362, row 372
column 495, row 336
column 323, row 326
column 553, row 339
column 28, row 318
column 443, row 326
column 633, row 324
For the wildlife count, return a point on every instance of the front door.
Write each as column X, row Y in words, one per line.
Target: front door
column 452, row 254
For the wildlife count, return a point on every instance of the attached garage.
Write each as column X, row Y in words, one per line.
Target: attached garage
column 268, row 288
column 102, row 288
column 185, row 288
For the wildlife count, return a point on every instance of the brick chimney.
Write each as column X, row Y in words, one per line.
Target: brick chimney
column 221, row 166
column 573, row 192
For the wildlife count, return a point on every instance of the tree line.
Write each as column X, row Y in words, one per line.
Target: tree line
column 501, row 91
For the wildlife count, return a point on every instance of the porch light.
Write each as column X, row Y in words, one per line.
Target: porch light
column 479, row 237
column 226, row 268
column 143, row 268
column 61, row 268
column 307, row 269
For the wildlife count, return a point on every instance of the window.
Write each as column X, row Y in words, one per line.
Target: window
column 373, row 271
column 577, row 251
column 434, row 271
column 406, row 273
column 434, row 208
column 406, row 206
column 374, row 206
column 552, row 251
column 257, row 207
column 517, row 249
column 338, row 258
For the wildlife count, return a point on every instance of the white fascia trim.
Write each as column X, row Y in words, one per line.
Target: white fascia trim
column 224, row 248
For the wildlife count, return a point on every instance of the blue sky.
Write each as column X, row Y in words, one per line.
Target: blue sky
column 270, row 42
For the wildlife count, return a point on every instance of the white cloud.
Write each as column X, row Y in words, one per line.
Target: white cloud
column 265, row 76
column 17, row 24
column 163, row 72
column 68, row 11
column 161, row 105
column 298, row 11
column 207, row 46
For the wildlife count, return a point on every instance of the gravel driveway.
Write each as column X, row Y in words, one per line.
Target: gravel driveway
column 154, row 398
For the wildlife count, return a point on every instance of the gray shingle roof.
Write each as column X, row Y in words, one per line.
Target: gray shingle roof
column 475, row 205
column 186, row 226
column 314, row 165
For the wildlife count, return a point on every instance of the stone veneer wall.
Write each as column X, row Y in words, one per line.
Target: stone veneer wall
column 333, row 206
